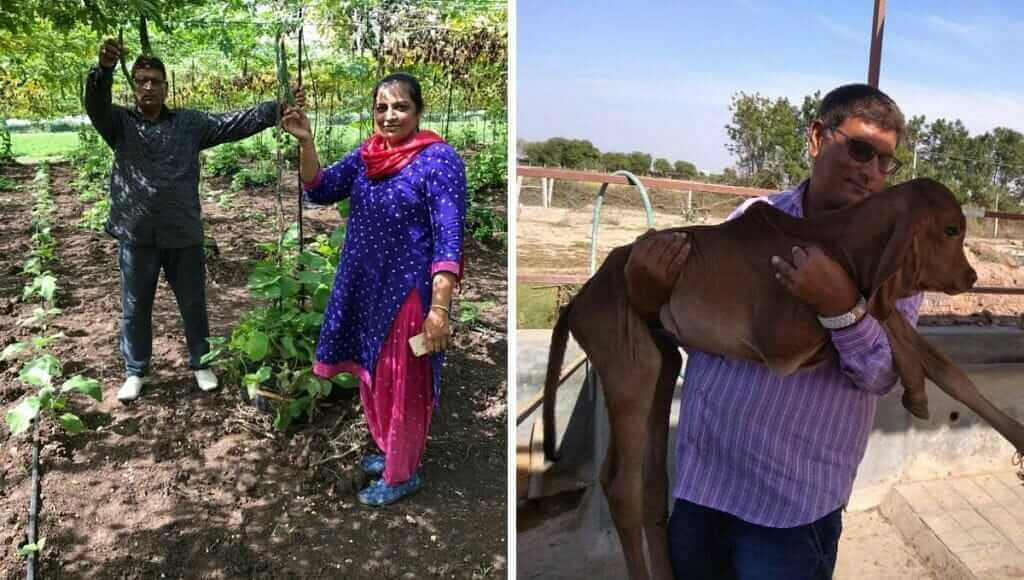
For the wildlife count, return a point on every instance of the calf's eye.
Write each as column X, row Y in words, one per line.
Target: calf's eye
column 952, row 231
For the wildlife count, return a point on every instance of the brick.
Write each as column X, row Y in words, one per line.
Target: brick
column 993, row 562
column 1009, row 479
column 945, row 495
column 989, row 536
column 1001, row 519
column 970, row 519
column 972, row 492
column 919, row 499
column 996, row 489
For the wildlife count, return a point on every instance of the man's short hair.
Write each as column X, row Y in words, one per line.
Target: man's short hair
column 863, row 102
column 150, row 62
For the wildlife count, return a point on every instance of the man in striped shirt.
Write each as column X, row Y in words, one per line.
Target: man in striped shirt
column 766, row 463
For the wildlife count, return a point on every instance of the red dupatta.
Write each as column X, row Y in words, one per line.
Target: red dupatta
column 383, row 161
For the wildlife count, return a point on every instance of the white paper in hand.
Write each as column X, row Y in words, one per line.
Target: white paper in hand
column 418, row 344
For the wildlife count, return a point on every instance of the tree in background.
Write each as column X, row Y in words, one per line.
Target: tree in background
column 684, row 170
column 561, row 152
column 662, row 166
column 769, row 138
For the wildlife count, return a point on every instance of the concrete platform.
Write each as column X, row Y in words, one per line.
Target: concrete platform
column 963, row 528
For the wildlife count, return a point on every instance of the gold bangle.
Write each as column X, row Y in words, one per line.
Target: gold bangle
column 445, row 308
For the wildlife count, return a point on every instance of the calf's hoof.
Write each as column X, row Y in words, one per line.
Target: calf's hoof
column 918, row 406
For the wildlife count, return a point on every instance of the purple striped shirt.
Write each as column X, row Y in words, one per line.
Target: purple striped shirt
column 782, row 451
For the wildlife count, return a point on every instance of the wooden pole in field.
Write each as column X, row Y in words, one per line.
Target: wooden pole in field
column 877, row 31
column 298, row 169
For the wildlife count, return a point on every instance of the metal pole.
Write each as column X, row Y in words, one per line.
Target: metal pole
column 995, row 228
column 877, row 31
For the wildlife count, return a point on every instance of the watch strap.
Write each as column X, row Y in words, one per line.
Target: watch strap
column 846, row 319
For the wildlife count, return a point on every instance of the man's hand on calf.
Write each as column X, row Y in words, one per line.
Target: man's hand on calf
column 654, row 264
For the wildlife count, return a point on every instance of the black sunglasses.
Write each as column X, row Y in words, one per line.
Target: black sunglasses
column 863, row 152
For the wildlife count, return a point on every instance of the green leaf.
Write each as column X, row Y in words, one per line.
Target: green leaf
column 320, row 298
column 346, row 381
column 312, row 319
column 41, row 370
column 288, row 344
column 71, row 423
column 48, row 287
column 14, row 350
column 311, row 279
column 263, row 276
column 343, row 210
column 33, row 265
column 46, row 399
column 88, row 387
column 289, row 287
column 29, row 549
column 312, row 385
column 44, row 341
column 291, row 236
column 20, row 417
column 257, row 345
column 216, row 340
column 314, row 264
column 210, row 356
column 259, row 377
column 298, row 406
column 282, row 420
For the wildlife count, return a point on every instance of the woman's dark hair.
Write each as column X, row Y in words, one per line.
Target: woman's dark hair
column 150, row 62
column 412, row 86
column 863, row 102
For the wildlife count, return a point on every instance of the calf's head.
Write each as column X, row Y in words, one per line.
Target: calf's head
column 925, row 250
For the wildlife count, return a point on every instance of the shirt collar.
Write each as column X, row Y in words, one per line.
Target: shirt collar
column 795, row 199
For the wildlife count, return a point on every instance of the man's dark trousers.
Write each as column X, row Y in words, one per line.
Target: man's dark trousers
column 185, row 271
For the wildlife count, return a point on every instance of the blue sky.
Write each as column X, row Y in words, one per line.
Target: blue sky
column 658, row 76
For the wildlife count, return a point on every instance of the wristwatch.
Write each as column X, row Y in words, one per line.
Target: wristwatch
column 848, row 319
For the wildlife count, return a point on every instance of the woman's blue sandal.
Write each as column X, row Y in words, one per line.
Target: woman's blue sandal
column 379, row 493
column 372, row 465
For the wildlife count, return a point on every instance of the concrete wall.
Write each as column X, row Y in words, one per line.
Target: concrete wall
column 954, row 441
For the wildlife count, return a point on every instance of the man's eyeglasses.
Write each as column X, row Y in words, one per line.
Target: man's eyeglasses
column 863, row 152
column 154, row 83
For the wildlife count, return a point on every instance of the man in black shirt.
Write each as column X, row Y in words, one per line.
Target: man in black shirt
column 154, row 203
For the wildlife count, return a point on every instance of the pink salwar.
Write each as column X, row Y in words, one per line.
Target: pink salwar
column 399, row 403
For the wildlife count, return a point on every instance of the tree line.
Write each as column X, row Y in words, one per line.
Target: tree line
column 582, row 154
column 768, row 138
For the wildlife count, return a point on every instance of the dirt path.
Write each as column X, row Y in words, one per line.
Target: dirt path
column 184, row 484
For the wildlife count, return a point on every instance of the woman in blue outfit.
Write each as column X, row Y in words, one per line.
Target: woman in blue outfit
column 401, row 260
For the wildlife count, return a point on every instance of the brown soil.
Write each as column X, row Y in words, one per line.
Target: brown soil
column 183, row 484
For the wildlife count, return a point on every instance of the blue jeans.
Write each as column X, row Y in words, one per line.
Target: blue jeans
column 709, row 544
column 185, row 270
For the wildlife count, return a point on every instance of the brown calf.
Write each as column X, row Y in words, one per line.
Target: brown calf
column 726, row 301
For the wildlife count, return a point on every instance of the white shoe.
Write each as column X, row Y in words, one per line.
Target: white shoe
column 131, row 388
column 206, row 380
